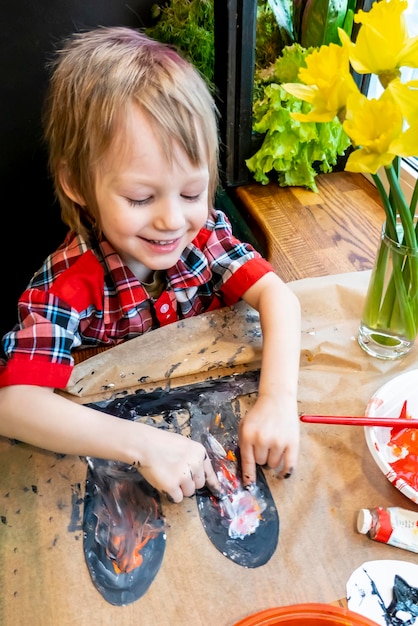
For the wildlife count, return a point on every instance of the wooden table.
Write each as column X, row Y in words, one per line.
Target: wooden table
column 44, row 580
column 307, row 234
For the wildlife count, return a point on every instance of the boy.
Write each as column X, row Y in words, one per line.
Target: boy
column 133, row 146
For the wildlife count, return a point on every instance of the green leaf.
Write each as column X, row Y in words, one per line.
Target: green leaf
column 298, row 9
column 288, row 64
column 320, row 22
column 348, row 22
column 351, row 5
column 283, row 10
column 269, row 41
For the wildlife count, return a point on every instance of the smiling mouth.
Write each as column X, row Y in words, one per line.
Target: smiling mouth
column 157, row 242
column 163, row 246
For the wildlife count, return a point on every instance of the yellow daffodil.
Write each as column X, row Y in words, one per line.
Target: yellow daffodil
column 328, row 82
column 383, row 44
column 372, row 126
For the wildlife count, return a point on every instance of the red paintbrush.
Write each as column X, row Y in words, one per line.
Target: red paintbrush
column 350, row 420
column 345, row 420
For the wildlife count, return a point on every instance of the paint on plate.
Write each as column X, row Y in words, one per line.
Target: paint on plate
column 403, row 444
column 386, row 592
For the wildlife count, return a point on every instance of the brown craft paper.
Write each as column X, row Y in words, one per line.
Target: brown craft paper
column 218, row 343
column 336, row 375
column 44, row 577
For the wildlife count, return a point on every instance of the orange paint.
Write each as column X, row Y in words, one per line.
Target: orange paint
column 125, row 563
column 231, row 456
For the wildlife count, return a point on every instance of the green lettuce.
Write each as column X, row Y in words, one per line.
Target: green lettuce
column 294, row 152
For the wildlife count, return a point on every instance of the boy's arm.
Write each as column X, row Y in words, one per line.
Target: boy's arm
column 173, row 464
column 269, row 433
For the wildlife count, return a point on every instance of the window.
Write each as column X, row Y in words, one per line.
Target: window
column 235, row 22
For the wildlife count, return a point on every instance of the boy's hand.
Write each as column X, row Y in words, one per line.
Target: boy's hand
column 269, row 435
column 176, row 465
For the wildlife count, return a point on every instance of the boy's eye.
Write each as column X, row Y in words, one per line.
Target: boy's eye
column 140, row 202
column 191, row 198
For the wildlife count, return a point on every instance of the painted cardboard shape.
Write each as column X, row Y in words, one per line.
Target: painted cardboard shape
column 124, row 531
column 212, row 409
column 243, row 524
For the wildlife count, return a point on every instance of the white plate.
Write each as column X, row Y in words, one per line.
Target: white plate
column 371, row 585
column 388, row 402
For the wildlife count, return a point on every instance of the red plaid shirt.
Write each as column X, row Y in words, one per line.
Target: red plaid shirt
column 84, row 296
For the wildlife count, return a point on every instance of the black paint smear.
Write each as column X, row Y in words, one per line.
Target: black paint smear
column 162, row 401
column 118, row 497
column 76, row 503
column 405, row 599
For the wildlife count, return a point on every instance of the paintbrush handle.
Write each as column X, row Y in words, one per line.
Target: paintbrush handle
column 345, row 420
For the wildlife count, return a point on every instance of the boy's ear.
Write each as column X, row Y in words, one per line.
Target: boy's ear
column 68, row 187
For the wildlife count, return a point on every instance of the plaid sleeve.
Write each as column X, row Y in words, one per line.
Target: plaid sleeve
column 235, row 265
column 38, row 350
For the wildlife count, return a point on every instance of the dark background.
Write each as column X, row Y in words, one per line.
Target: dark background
column 30, row 221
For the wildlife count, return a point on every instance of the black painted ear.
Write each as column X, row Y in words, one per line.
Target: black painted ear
column 124, row 531
column 252, row 550
column 243, row 524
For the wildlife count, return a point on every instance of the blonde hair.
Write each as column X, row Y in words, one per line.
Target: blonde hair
column 96, row 77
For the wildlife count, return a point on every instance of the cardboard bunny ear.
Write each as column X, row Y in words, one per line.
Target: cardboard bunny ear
column 243, row 523
column 124, row 531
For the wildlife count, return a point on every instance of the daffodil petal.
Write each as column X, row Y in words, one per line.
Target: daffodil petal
column 406, row 145
column 406, row 95
column 365, row 162
column 382, row 44
column 327, row 80
column 408, row 57
column 300, row 91
column 373, row 123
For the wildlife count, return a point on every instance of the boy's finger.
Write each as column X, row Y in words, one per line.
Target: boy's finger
column 212, row 481
column 248, row 466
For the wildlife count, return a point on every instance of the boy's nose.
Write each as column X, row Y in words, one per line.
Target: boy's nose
column 170, row 216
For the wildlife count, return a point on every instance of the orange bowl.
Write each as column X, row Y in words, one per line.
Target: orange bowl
column 310, row 614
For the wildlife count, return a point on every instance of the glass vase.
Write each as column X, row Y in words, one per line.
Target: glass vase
column 390, row 315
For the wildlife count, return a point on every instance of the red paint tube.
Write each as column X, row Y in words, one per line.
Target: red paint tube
column 392, row 525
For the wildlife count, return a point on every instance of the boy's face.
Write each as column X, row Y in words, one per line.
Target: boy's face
column 149, row 211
